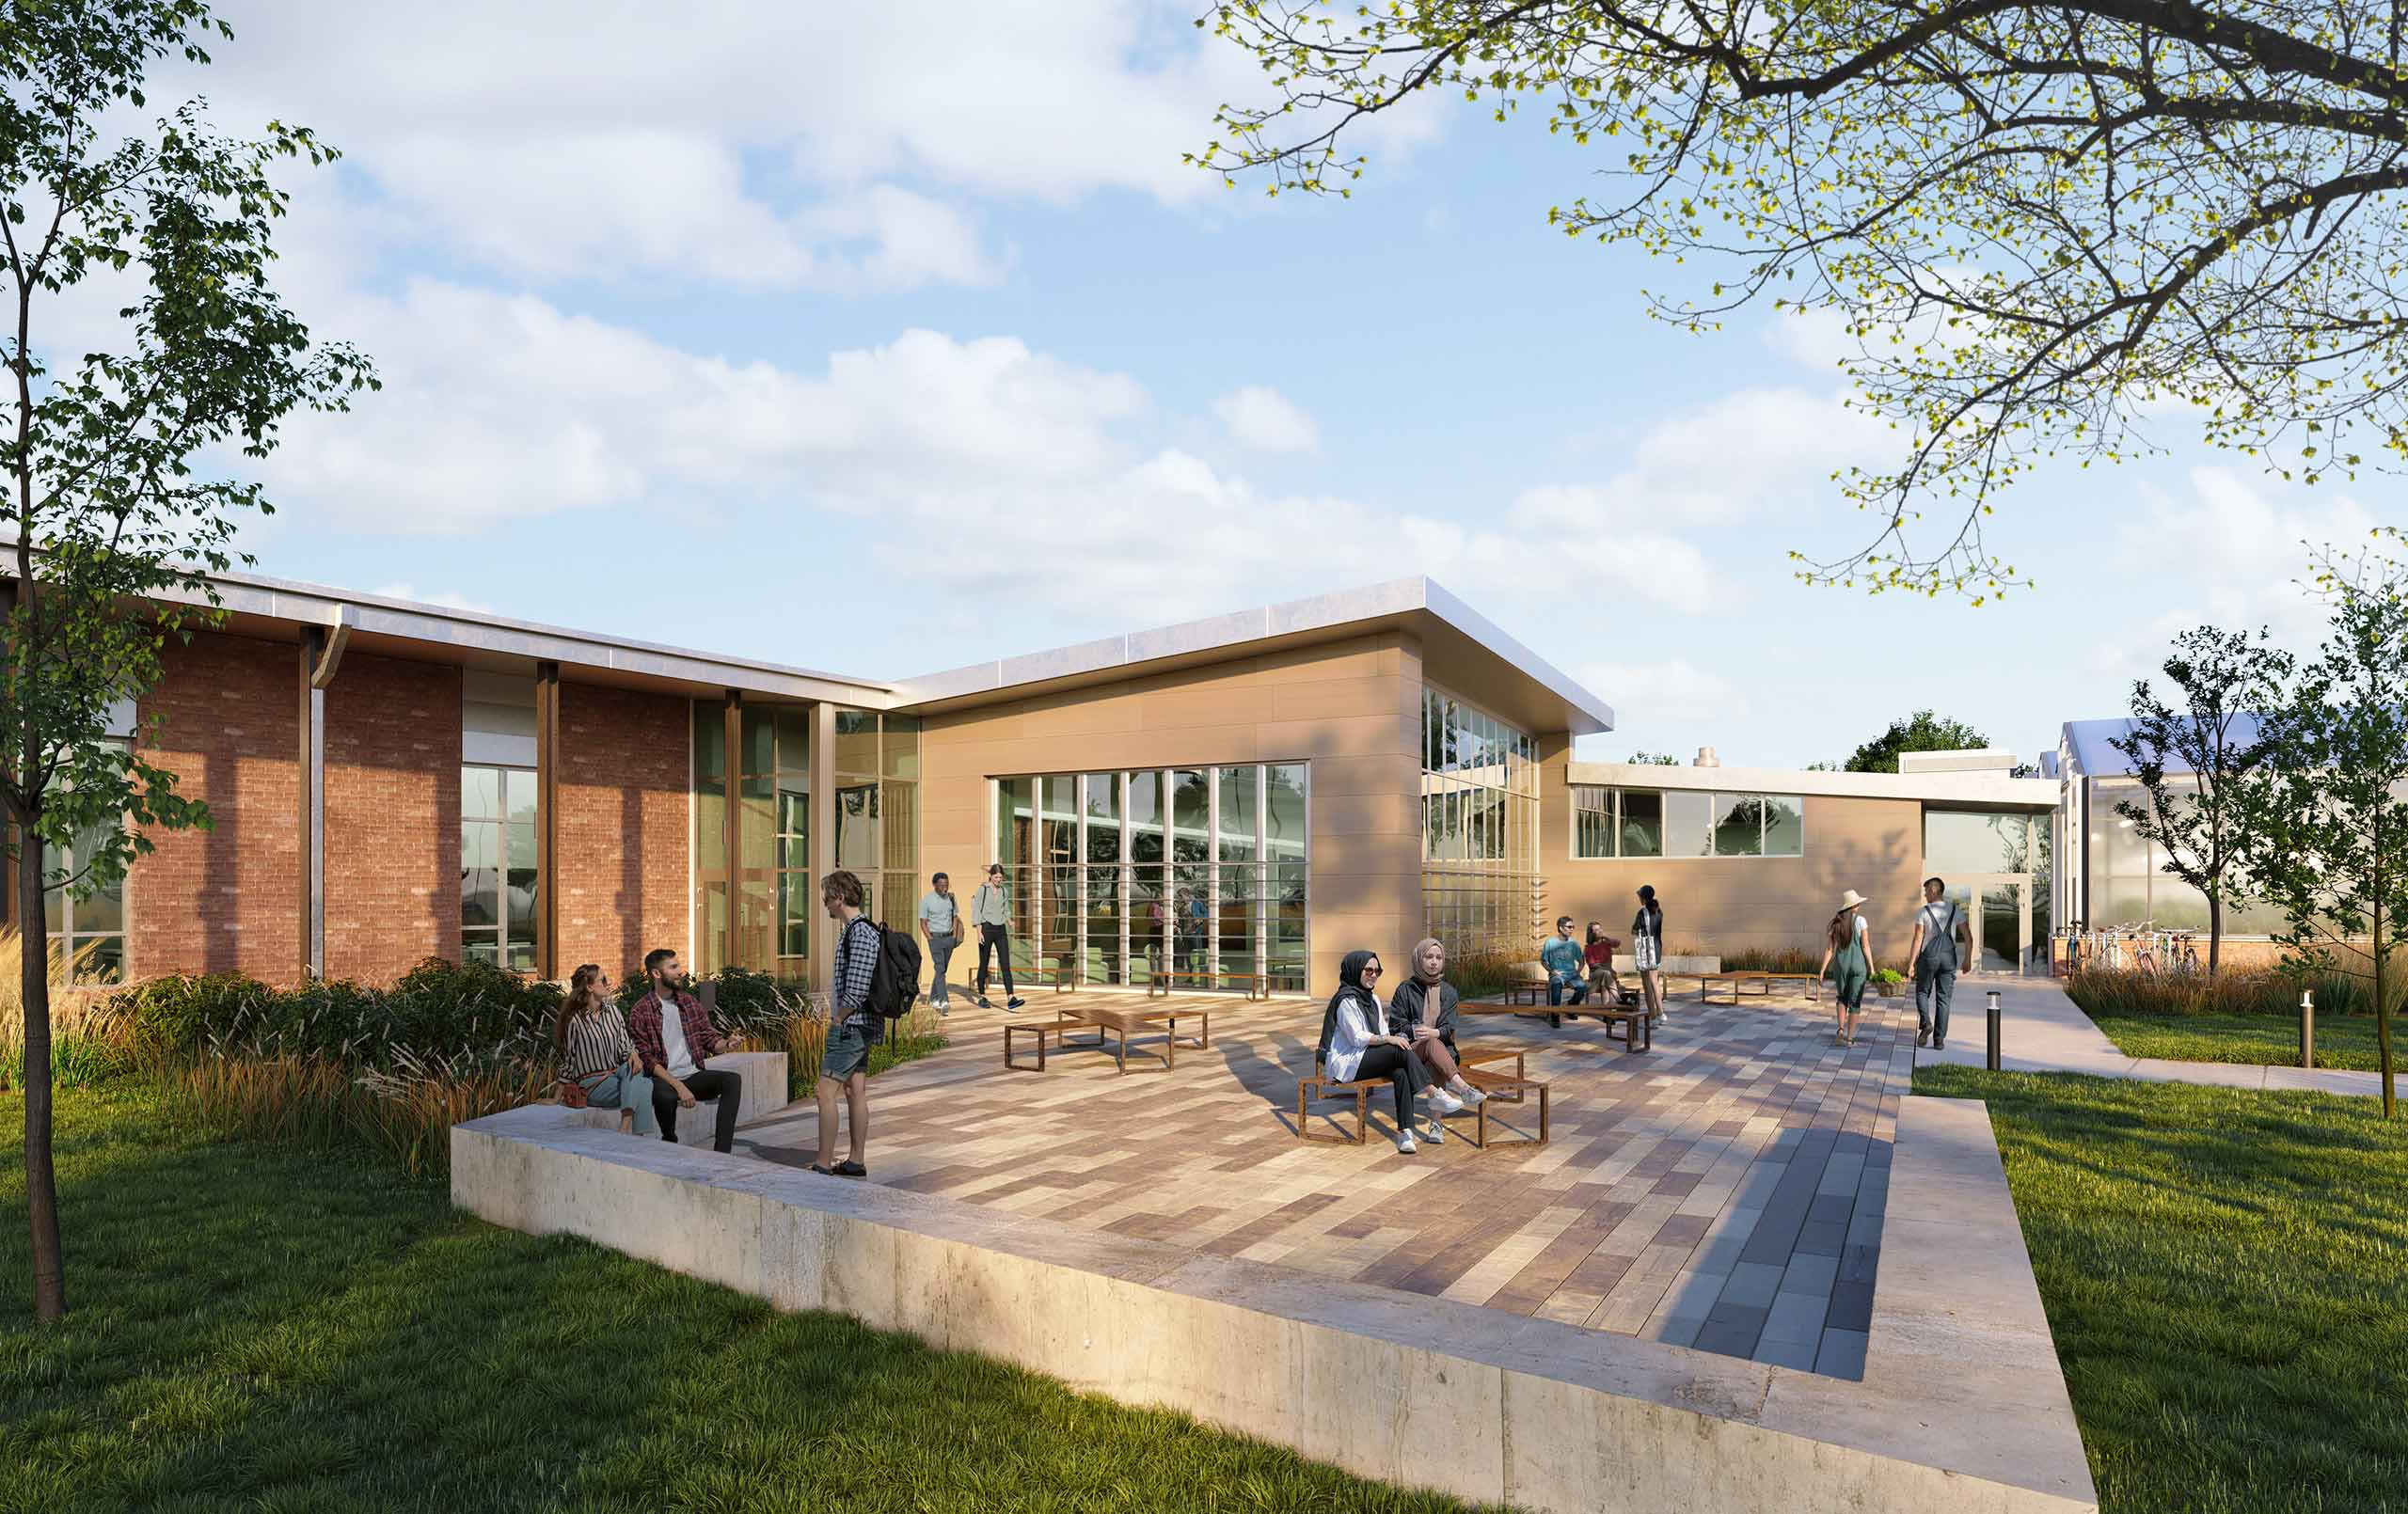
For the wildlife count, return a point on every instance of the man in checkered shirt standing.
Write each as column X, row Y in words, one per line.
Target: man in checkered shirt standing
column 852, row 1024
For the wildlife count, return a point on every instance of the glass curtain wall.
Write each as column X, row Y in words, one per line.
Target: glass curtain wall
column 1095, row 898
column 761, row 918
column 1479, row 801
column 2128, row 885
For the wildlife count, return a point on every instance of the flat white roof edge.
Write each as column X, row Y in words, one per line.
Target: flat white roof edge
column 1945, row 787
column 312, row 603
column 1396, row 596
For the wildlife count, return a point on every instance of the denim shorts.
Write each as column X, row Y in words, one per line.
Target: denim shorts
column 848, row 1053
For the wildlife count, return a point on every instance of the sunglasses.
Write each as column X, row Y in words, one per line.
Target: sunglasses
column 1373, row 972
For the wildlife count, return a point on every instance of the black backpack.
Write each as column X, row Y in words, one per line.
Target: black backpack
column 895, row 978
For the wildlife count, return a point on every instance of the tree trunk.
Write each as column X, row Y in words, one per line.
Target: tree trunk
column 2382, row 1011
column 42, row 1182
column 2215, row 929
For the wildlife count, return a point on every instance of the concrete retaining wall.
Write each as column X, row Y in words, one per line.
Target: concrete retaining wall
column 1410, row 1390
column 764, row 1094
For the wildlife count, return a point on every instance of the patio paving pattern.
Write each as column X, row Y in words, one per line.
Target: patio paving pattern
column 1725, row 1192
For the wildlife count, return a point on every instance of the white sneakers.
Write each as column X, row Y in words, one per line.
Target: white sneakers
column 1438, row 1132
column 1444, row 1102
column 1404, row 1145
column 1472, row 1097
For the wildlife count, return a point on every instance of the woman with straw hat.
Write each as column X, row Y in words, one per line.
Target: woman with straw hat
column 1851, row 941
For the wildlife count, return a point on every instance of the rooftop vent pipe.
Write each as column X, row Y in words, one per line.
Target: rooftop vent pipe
column 1706, row 757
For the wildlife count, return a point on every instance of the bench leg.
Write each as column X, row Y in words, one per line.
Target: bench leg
column 1362, row 1121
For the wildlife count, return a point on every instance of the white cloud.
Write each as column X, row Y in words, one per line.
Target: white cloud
column 1750, row 452
column 445, row 599
column 1648, row 696
column 969, row 455
column 1264, row 418
column 2231, row 550
column 803, row 146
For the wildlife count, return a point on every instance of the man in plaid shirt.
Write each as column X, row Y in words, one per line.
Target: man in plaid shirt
column 674, row 1047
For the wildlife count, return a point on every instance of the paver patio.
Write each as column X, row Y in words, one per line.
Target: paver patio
column 1725, row 1192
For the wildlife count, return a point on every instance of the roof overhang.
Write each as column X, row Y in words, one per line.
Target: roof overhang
column 1969, row 791
column 278, row 609
column 1461, row 649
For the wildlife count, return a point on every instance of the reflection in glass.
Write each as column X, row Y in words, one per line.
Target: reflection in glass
column 1784, row 825
column 1688, row 824
column 1642, row 822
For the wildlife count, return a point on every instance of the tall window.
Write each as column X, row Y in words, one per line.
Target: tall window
column 497, row 866
column 1479, row 886
column 87, row 935
column 1095, row 899
column 1611, row 822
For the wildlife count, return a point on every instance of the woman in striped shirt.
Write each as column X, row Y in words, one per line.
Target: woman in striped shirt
column 596, row 1054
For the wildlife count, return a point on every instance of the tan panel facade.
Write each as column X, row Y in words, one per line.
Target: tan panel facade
column 1351, row 710
column 1722, row 905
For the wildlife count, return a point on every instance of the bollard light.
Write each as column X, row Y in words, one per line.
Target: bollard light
column 2307, row 1028
column 1994, row 998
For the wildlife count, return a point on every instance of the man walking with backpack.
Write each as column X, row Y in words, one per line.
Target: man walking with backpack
column 852, row 1023
column 1939, row 925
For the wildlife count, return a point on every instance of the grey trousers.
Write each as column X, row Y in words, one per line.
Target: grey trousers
column 940, row 953
column 1934, row 986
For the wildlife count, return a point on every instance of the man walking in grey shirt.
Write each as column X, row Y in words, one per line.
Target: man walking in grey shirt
column 941, row 923
column 990, row 910
column 1937, row 925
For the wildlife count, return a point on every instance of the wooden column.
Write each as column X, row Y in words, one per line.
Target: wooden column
column 732, row 830
column 312, row 793
column 547, row 812
column 823, row 839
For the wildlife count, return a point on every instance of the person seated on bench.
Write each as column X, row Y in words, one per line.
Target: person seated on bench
column 1422, row 1010
column 1356, row 1049
column 673, row 1036
column 1603, row 986
column 596, row 1055
column 1567, row 974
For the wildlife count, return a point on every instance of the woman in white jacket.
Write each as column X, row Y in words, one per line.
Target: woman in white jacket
column 1355, row 1043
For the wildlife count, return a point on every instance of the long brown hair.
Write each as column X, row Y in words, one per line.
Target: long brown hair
column 1596, row 933
column 1843, row 929
column 583, row 996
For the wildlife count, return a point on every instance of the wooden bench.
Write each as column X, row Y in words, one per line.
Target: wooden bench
column 1105, row 1023
column 1764, row 982
column 1162, row 984
column 1320, row 1086
column 1496, row 1085
column 1627, row 1016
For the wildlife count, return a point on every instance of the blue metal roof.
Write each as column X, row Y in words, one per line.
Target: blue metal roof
column 2097, row 758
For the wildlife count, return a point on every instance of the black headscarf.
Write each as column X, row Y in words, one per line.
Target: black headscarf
column 1350, row 981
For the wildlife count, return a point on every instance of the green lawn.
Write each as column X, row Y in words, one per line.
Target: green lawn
column 2342, row 1041
column 2227, row 1276
column 264, row 1330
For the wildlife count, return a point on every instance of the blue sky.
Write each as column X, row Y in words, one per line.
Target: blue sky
column 886, row 341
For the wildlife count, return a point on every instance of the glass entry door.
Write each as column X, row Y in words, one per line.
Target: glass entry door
column 1998, row 913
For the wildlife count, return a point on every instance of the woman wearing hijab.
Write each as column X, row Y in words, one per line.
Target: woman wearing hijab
column 1647, row 949
column 1355, row 1048
column 1422, row 1010
column 1851, row 942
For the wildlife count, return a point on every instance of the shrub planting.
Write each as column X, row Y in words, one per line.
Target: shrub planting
column 2116, row 992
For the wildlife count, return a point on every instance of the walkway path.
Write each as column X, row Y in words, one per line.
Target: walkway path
column 2042, row 1031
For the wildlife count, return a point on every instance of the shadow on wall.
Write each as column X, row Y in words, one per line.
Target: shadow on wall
column 630, row 895
column 218, row 848
column 1883, row 875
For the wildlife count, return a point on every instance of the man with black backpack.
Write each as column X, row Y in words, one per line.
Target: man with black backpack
column 876, row 976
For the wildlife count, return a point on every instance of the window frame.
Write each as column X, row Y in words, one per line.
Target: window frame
column 498, row 932
column 1718, row 803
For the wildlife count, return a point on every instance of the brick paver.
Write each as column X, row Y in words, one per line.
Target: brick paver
column 1724, row 1193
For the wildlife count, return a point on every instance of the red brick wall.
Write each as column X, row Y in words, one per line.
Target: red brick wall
column 393, row 816
column 227, row 899
column 623, row 828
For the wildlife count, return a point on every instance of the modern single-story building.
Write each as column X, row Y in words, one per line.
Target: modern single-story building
column 1756, row 857
column 1232, row 802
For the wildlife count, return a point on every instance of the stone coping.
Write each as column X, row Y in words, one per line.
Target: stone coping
column 1962, row 1405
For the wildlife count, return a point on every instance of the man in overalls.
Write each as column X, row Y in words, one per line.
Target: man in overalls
column 1938, row 926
